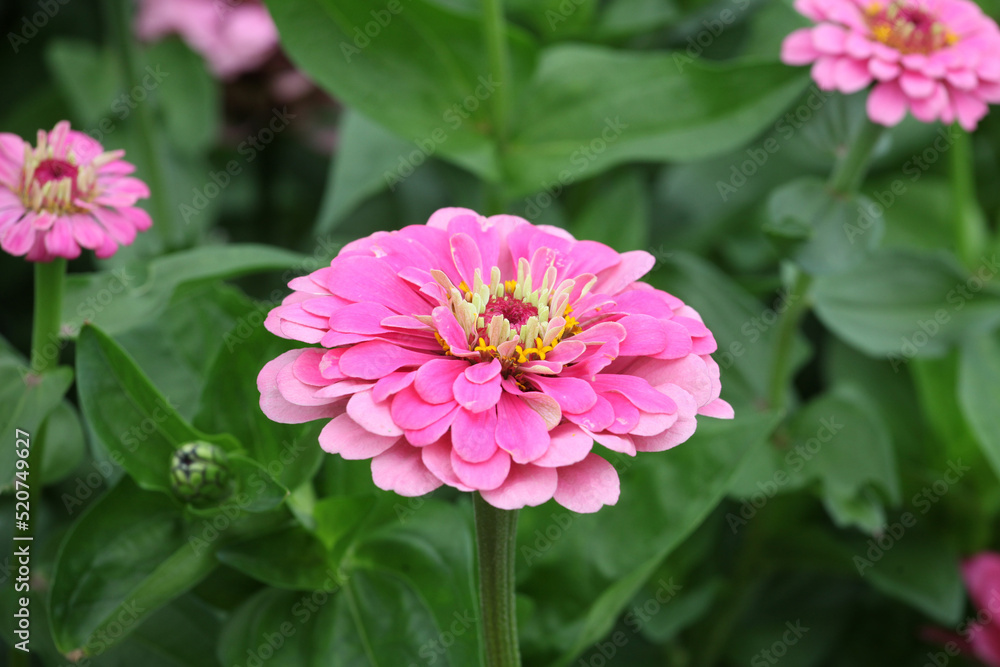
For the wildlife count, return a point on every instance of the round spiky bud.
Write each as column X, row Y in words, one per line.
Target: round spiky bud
column 199, row 473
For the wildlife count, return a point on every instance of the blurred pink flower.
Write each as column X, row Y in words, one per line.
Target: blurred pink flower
column 982, row 579
column 66, row 193
column 234, row 36
column 489, row 354
column 939, row 59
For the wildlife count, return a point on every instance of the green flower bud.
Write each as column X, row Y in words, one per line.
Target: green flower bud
column 199, row 473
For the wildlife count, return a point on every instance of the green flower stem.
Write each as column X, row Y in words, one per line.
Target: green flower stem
column 970, row 228
column 852, row 167
column 496, row 540
column 495, row 35
column 49, row 279
column 798, row 306
column 845, row 180
column 117, row 15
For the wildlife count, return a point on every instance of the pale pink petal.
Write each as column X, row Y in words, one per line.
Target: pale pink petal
column 520, row 430
column 483, row 476
column 342, row 435
column 887, row 103
column 525, row 486
column 401, row 469
column 587, row 486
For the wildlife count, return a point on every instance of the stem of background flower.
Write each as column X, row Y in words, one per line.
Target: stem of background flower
column 496, row 538
column 970, row 225
column 845, row 180
column 49, row 279
column 117, row 15
column 495, row 35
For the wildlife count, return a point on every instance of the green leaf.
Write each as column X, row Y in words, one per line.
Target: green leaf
column 406, row 596
column 292, row 629
column 126, row 557
column 902, row 304
column 191, row 105
column 979, row 393
column 664, row 498
column 180, row 346
column 432, row 554
column 291, row 558
column 133, row 420
column 416, row 68
column 26, row 401
column 264, row 491
column 628, row 17
column 838, row 231
column 339, row 517
column 230, row 403
column 842, row 442
column 918, row 568
column 90, row 78
column 366, row 153
column 589, row 108
column 130, row 296
column 743, row 326
column 617, row 214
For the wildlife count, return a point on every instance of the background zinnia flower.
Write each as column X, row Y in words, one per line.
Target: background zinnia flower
column 234, row 36
column 982, row 579
column 939, row 59
column 490, row 354
column 64, row 194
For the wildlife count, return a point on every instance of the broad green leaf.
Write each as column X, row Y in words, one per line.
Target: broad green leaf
column 366, row 154
column 664, row 498
column 627, row 17
column 432, row 553
column 230, row 403
column 127, row 556
column 837, row 231
column 339, row 517
column 589, row 108
column 90, row 79
column 842, row 442
column 405, row 595
column 130, row 296
column 979, row 393
column 180, row 345
column 293, row 629
column 65, row 446
column 262, row 491
column 417, row 68
column 181, row 634
column 743, row 326
column 189, row 99
column 915, row 566
column 134, row 421
column 617, row 214
column 902, row 304
column 291, row 558
column 26, row 401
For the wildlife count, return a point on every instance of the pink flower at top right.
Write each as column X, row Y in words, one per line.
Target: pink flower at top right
column 937, row 59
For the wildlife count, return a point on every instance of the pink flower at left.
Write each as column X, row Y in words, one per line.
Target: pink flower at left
column 64, row 194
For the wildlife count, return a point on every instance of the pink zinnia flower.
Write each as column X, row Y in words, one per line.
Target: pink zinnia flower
column 233, row 36
column 66, row 193
column 939, row 59
column 489, row 354
column 982, row 579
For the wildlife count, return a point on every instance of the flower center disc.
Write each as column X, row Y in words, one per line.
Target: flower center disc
column 515, row 311
column 908, row 29
column 55, row 170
